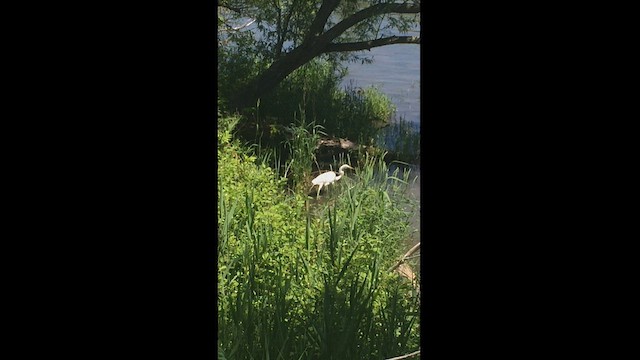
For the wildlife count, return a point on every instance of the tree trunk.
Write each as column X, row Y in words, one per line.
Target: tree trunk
column 271, row 77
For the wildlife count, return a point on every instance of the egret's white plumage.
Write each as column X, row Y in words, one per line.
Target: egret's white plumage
column 328, row 178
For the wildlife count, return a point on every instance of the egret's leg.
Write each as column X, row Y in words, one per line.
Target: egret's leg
column 319, row 187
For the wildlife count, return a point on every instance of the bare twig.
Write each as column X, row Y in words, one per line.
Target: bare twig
column 245, row 25
column 405, row 356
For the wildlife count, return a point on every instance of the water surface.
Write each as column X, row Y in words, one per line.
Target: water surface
column 396, row 72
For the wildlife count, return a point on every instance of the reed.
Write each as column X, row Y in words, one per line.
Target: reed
column 301, row 143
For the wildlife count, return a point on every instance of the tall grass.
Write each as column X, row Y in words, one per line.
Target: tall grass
column 301, row 284
column 301, row 144
column 352, row 309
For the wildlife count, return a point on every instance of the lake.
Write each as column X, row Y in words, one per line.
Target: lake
column 396, row 72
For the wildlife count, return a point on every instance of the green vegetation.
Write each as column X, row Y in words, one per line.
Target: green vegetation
column 300, row 284
column 313, row 93
column 361, row 113
column 298, row 277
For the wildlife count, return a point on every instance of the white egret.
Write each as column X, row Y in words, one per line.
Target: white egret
column 328, row 178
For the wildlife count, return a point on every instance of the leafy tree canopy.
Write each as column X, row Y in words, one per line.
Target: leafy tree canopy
column 276, row 37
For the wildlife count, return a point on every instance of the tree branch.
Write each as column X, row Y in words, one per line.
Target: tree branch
column 285, row 29
column 321, row 18
column 236, row 9
column 364, row 14
column 367, row 45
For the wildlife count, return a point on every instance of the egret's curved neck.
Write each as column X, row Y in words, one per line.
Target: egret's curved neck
column 342, row 168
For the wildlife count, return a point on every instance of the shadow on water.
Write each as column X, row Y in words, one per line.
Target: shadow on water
column 413, row 193
column 402, row 139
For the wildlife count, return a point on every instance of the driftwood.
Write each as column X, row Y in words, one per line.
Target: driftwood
column 415, row 248
column 405, row 356
column 405, row 270
column 344, row 144
column 328, row 149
